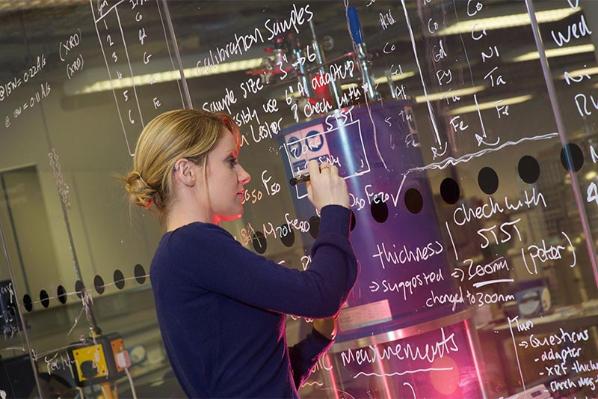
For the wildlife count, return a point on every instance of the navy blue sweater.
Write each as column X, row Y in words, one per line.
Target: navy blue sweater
column 221, row 308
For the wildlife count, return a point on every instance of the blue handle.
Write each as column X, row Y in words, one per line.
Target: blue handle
column 354, row 25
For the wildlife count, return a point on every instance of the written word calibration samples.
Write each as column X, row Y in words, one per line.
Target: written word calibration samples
column 241, row 44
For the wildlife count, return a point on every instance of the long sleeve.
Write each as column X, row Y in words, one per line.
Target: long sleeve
column 211, row 259
column 306, row 353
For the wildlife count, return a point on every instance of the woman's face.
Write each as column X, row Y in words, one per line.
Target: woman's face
column 226, row 178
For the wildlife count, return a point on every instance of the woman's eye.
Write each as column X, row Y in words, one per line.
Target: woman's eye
column 233, row 161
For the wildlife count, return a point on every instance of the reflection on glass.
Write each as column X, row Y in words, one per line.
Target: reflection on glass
column 473, row 186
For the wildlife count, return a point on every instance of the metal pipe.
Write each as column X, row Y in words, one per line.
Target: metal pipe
column 332, row 86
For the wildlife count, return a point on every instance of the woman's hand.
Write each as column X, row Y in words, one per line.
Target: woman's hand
column 327, row 327
column 325, row 186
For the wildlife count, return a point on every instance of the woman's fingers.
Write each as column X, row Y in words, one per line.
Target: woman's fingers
column 333, row 169
column 312, row 167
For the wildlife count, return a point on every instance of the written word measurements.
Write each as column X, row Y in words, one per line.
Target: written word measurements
column 429, row 352
column 560, row 356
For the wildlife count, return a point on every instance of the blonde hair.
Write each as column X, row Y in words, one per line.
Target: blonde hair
column 173, row 135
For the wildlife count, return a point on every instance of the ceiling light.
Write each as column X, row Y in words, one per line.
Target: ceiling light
column 167, row 76
column 489, row 104
column 448, row 94
column 381, row 80
column 395, row 77
column 555, row 52
column 507, row 21
column 591, row 175
column 581, row 72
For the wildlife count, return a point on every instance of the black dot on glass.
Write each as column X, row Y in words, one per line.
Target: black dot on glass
column 529, row 169
column 314, row 226
column 27, row 302
column 488, row 180
column 119, row 279
column 139, row 273
column 572, row 157
column 449, row 191
column 79, row 288
column 287, row 235
column 413, row 200
column 260, row 244
column 61, row 293
column 44, row 298
column 379, row 210
column 98, row 283
column 353, row 220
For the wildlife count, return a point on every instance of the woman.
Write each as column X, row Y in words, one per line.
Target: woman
column 221, row 308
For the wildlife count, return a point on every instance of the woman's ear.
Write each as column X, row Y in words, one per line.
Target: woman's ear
column 184, row 172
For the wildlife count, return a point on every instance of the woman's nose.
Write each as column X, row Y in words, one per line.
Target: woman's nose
column 244, row 177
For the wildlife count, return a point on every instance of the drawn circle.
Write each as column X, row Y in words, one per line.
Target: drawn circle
column 414, row 201
column 98, row 283
column 27, row 302
column 529, row 169
column 379, row 210
column 572, row 157
column 314, row 140
column 488, row 180
column 44, row 298
column 139, row 273
column 314, row 226
column 353, row 220
column 79, row 286
column 449, row 191
column 260, row 244
column 119, row 279
column 287, row 235
column 61, row 293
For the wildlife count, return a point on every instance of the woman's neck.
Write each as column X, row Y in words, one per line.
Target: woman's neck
column 181, row 216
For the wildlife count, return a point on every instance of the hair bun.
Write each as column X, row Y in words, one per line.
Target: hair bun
column 140, row 193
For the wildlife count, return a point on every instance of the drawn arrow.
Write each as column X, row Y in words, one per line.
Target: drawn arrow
column 480, row 140
column 374, row 289
column 435, row 151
